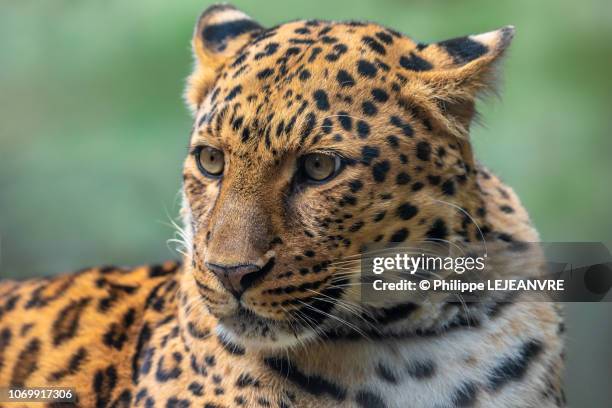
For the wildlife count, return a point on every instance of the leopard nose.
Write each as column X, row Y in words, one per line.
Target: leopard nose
column 235, row 278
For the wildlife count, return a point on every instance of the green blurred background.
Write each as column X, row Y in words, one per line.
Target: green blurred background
column 93, row 129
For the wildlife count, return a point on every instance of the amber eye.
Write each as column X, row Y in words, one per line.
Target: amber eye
column 210, row 161
column 320, row 167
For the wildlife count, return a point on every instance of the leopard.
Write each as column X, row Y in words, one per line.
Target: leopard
column 312, row 141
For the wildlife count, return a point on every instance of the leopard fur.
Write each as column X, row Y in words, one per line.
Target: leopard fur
column 399, row 114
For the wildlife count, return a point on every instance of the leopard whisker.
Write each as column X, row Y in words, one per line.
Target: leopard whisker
column 342, row 321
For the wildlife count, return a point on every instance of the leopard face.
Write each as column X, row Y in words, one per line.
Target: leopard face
column 312, row 140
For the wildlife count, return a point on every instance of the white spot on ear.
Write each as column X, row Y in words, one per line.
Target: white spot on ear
column 228, row 15
column 496, row 39
column 485, row 38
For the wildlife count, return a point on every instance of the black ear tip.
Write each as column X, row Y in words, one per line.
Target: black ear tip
column 220, row 24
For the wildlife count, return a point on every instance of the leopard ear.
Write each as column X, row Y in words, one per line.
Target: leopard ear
column 221, row 30
column 456, row 72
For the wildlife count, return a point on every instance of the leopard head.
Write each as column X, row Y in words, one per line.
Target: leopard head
column 311, row 140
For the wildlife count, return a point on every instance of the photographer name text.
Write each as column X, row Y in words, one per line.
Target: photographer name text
column 458, row 286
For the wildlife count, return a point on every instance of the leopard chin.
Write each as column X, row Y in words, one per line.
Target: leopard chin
column 257, row 332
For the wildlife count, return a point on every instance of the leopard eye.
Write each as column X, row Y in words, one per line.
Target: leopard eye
column 320, row 167
column 210, row 161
